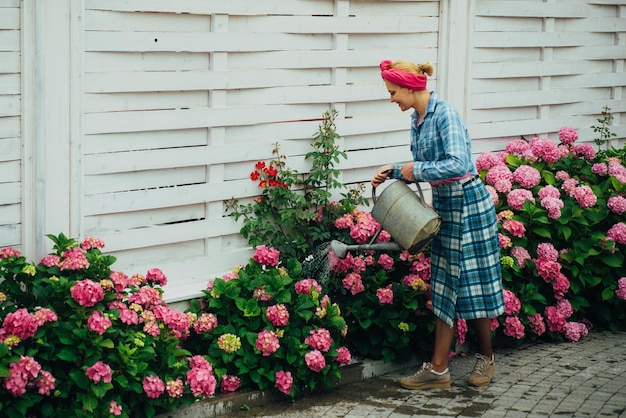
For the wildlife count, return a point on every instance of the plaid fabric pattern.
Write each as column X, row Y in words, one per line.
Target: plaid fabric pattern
column 440, row 144
column 466, row 278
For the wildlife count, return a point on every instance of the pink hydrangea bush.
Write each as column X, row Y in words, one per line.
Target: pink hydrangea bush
column 273, row 328
column 563, row 240
column 79, row 339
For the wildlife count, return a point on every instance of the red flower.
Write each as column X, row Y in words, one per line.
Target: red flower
column 255, row 175
column 273, row 183
column 272, row 171
column 260, row 165
column 263, row 183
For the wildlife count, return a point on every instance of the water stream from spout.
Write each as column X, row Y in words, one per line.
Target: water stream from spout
column 317, row 265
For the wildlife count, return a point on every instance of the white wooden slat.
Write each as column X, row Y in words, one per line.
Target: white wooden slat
column 533, row 98
column 9, row 18
column 196, row 118
column 10, row 236
column 540, row 39
column 332, row 24
column 159, row 100
column 363, row 42
column 536, row 68
column 121, row 182
column 592, row 24
column 9, row 62
column 110, row 82
column 599, row 52
column 502, row 114
column 508, row 24
column 9, row 40
column 10, row 3
column 235, row 7
column 10, row 105
column 497, row 55
column 10, row 83
column 9, row 171
column 303, row 94
column 142, row 22
column 10, row 214
column 10, row 193
column 164, row 234
column 103, row 143
column 202, row 41
column 9, row 148
column 155, row 61
column 391, row 7
column 520, row 127
column 532, row 9
column 589, row 80
column 142, row 219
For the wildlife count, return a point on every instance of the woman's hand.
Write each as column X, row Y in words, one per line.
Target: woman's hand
column 381, row 175
column 407, row 172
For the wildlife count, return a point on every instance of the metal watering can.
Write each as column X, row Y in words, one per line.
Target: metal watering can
column 405, row 215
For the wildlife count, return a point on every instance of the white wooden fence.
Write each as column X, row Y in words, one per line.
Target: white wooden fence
column 132, row 120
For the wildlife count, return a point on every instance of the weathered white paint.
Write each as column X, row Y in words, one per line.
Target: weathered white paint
column 133, row 120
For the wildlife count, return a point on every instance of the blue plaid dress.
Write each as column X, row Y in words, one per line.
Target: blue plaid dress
column 466, row 280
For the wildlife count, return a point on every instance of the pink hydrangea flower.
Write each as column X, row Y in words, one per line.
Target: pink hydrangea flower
column 505, row 242
column 513, row 327
column 202, row 381
column 9, row 252
column 267, row 342
column 230, row 383
column 354, row 283
column 537, row 324
column 547, row 251
column 99, row 371
column 278, row 315
column 155, row 275
column 617, row 233
column 585, row 151
column 503, row 186
column 555, row 319
column 153, row 386
column 115, row 409
column 175, row 388
column 22, row 373
column 553, row 205
column 497, row 173
column 517, row 197
column 495, row 324
column 560, row 286
column 304, row 287
column 584, row 196
column 87, row 292
column 98, row 323
column 620, row 292
column 319, row 339
column 511, row 303
column 517, row 147
column 565, row 307
column 415, row 282
column 549, row 191
column 460, row 330
column 385, row 294
column 527, row 176
column 545, row 149
column 51, row 260
column 74, row 259
column 513, row 227
column 486, row 161
column 315, row 360
column 284, row 382
column 266, row 256
column 567, row 135
column 617, row 204
column 20, row 323
column 574, row 331
column 343, row 355
column 601, row 169
column 521, row 255
column 205, row 323
column 493, row 193
column 386, row 261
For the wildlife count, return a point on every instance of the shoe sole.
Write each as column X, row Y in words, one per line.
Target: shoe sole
column 433, row 385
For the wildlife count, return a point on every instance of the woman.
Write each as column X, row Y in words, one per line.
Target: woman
column 466, row 280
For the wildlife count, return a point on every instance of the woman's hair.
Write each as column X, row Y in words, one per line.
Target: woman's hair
column 410, row 67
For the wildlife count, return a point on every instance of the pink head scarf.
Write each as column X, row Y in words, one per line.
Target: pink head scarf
column 402, row 78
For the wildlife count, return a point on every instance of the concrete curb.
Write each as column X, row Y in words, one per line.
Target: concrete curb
column 223, row 404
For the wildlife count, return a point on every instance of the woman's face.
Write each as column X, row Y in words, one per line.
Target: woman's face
column 400, row 95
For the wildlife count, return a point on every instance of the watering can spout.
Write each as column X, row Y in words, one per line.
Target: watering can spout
column 341, row 250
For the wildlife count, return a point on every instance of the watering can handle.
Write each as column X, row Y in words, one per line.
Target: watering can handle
column 419, row 189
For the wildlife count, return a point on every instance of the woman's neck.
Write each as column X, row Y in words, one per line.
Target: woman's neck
column 421, row 102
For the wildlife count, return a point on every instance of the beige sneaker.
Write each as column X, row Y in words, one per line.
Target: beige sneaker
column 425, row 378
column 483, row 372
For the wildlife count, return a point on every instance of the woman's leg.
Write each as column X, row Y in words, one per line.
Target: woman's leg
column 444, row 335
column 482, row 328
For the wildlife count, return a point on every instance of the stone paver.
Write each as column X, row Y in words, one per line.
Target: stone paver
column 583, row 379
